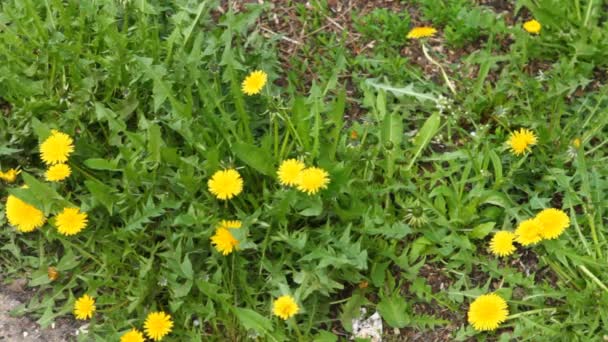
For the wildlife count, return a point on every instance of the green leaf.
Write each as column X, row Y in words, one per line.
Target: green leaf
column 325, row 336
column 423, row 138
column 407, row 90
column 391, row 136
column 394, row 311
column 5, row 151
column 39, row 277
column 186, row 267
column 102, row 193
column 351, row 310
column 101, row 164
column 255, row 157
column 482, row 230
column 155, row 141
column 39, row 194
column 253, row 320
column 68, row 261
column 312, row 207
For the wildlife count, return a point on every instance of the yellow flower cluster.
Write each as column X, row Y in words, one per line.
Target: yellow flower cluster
column 531, row 26
column 548, row 224
column 156, row 326
column 25, row 217
column 54, row 152
column 310, row 180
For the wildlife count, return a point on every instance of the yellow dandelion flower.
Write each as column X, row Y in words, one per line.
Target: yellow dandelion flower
column 52, row 273
column 520, row 141
column 553, row 222
column 289, row 171
column 225, row 184
column 23, row 216
column 254, row 82
column 528, row 232
column 57, row 172
column 133, row 335
column 532, row 26
column 56, row 148
column 234, row 224
column 312, row 180
column 224, row 241
column 71, row 221
column 487, row 312
column 502, row 243
column 576, row 142
column 84, row 307
column 285, row 307
column 10, row 175
column 157, row 325
column 421, row 32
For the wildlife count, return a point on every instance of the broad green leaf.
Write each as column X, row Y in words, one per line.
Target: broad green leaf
column 102, row 193
column 393, row 310
column 424, row 136
column 255, row 157
column 253, row 320
column 39, row 277
column 186, row 267
column 482, row 230
column 68, row 261
column 101, row 164
column 391, row 136
column 325, row 336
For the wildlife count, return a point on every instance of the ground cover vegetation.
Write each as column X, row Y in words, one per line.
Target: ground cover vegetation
column 224, row 170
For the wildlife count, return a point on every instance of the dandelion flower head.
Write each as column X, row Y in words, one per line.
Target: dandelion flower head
column 224, row 241
column 532, row 26
column 133, row 335
column 254, row 82
column 158, row 325
column 487, row 312
column 421, row 32
column 71, row 221
column 56, row 148
column 502, row 243
column 312, row 180
column 57, row 172
column 23, row 216
column 289, row 171
column 553, row 222
column 84, row 307
column 225, row 184
column 10, row 175
column 528, row 232
column 285, row 307
column 520, row 141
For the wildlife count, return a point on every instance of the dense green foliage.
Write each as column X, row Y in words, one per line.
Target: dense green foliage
column 151, row 93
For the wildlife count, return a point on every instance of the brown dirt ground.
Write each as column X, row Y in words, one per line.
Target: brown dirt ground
column 25, row 329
